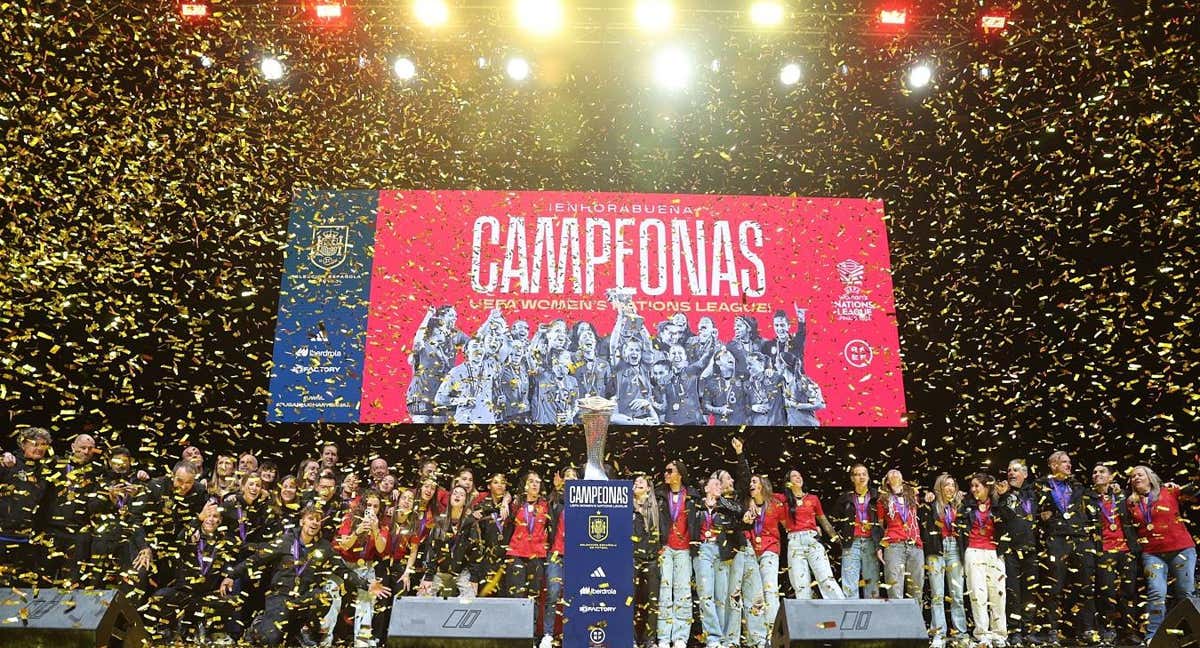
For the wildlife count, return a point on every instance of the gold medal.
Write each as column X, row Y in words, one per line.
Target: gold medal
column 1149, row 527
column 1112, row 527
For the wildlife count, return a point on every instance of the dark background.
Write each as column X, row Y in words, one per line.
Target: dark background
column 1042, row 223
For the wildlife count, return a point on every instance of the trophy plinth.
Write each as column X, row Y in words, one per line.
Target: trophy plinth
column 595, row 413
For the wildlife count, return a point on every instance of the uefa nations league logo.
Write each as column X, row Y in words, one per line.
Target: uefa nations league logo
column 853, row 305
column 329, row 246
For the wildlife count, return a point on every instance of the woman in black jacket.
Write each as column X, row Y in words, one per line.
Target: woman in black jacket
column 942, row 518
column 646, row 546
column 453, row 551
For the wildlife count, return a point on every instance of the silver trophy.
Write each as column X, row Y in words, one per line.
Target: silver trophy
column 595, row 413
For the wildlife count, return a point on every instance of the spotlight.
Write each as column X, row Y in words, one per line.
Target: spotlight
column 654, row 15
column 404, row 69
column 766, row 13
column 893, row 17
column 919, row 76
column 272, row 68
column 206, row 61
column 192, row 10
column 985, row 72
column 431, row 13
column 672, row 69
column 790, row 74
column 715, row 66
column 482, row 62
column 326, row 10
column 844, row 69
column 540, row 17
column 517, row 68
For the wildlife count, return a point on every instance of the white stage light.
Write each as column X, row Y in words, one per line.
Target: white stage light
column 654, row 15
column 540, row 17
column 431, row 13
column 985, row 72
column 672, row 69
column 272, row 68
column 919, row 76
column 404, row 69
column 790, row 74
column 766, row 13
column 517, row 68
column 206, row 61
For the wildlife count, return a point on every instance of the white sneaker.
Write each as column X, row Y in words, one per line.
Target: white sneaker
column 680, row 643
column 664, row 644
column 547, row 642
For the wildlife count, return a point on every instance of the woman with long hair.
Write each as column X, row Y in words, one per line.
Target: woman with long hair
column 396, row 566
column 858, row 522
column 901, row 549
column 984, row 531
column 527, row 534
column 361, row 541
column 453, row 551
column 307, row 474
column 224, row 480
column 765, row 514
column 1168, row 549
column 807, row 559
column 431, row 359
column 1118, row 613
column 646, row 543
column 802, row 397
column 286, row 503
column 941, row 522
column 746, row 340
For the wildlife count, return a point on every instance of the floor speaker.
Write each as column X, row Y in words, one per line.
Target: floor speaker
column 1181, row 627
column 68, row 618
column 421, row 622
column 850, row 623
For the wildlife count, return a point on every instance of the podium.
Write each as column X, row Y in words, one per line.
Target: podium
column 598, row 564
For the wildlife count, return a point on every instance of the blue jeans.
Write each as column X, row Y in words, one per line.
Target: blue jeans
column 768, row 566
column 554, row 589
column 745, row 600
column 808, row 562
column 704, row 565
column 859, row 561
column 1182, row 568
column 946, row 573
column 675, row 596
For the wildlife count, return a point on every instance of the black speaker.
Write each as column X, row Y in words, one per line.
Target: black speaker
column 420, row 622
column 62, row 618
column 1181, row 626
column 858, row 623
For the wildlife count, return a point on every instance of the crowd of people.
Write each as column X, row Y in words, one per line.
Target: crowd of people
column 676, row 376
column 232, row 548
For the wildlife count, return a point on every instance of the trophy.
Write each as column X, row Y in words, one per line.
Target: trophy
column 595, row 413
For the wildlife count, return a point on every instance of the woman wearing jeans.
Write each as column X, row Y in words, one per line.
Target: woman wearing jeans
column 900, row 548
column 857, row 519
column 766, row 516
column 941, row 519
column 807, row 560
column 1167, row 545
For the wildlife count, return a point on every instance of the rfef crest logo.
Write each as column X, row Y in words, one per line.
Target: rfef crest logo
column 598, row 528
column 329, row 246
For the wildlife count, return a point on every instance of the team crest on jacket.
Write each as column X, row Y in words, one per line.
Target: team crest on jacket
column 329, row 244
column 598, row 528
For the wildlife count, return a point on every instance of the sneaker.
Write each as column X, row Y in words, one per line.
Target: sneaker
column 937, row 642
column 547, row 642
column 680, row 643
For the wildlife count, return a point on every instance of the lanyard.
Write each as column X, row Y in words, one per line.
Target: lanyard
column 1146, row 504
column 860, row 508
column 203, row 564
column 760, row 520
column 901, row 509
column 1061, row 491
column 676, row 503
column 241, row 518
column 1107, row 509
column 949, row 516
column 983, row 518
column 296, row 549
column 530, row 520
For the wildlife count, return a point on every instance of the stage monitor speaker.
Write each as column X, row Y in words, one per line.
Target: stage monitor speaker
column 422, row 622
column 68, row 618
column 857, row 623
column 1181, row 626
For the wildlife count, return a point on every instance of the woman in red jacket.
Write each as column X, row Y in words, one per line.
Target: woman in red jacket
column 901, row 549
column 1167, row 545
column 361, row 541
column 527, row 539
column 765, row 515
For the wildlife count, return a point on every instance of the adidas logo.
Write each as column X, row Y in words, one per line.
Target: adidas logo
column 599, row 573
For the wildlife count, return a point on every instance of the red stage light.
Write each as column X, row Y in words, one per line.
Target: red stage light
column 194, row 10
column 893, row 17
column 328, row 10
